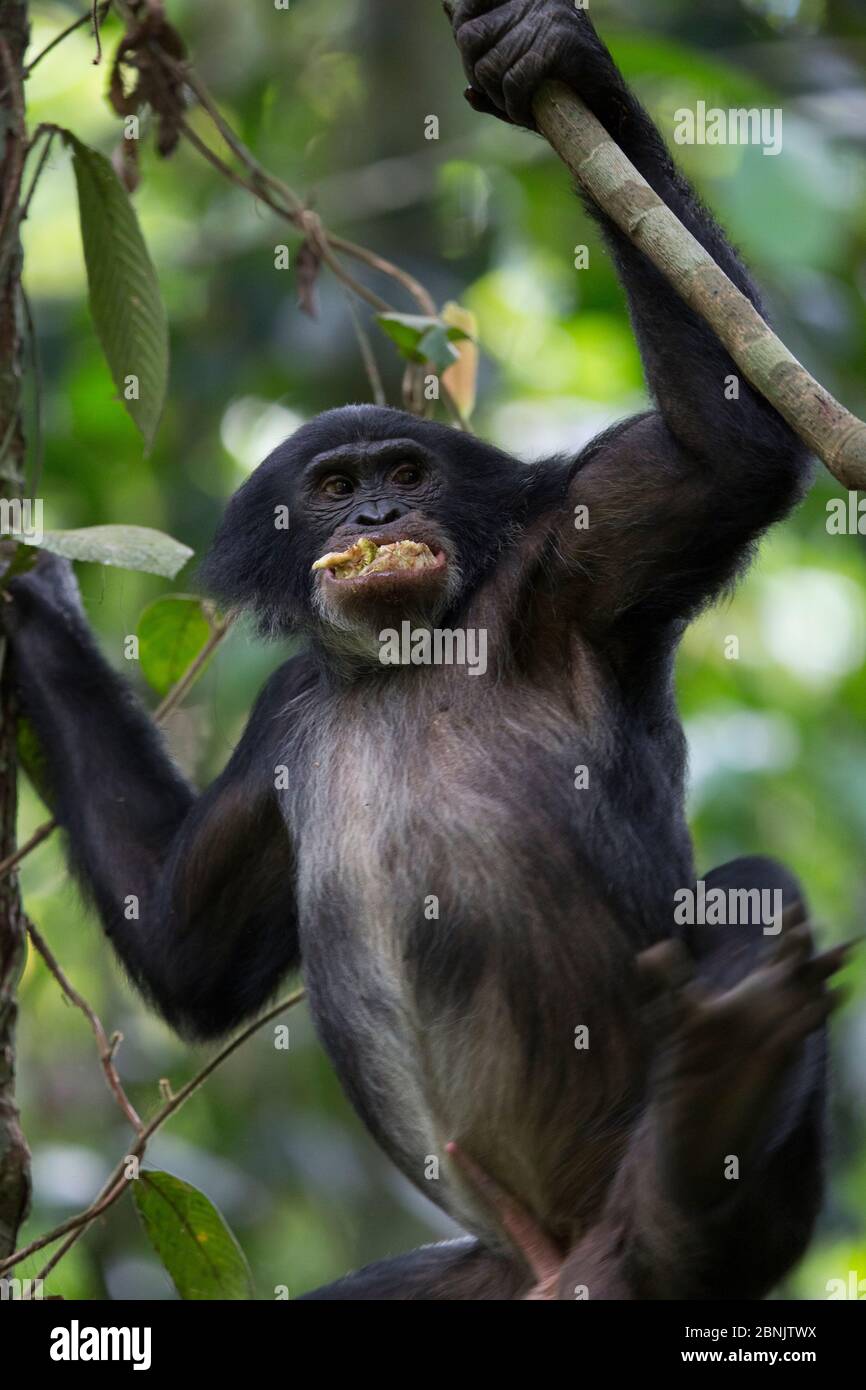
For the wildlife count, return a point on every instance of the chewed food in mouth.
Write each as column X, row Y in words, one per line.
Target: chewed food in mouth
column 368, row 557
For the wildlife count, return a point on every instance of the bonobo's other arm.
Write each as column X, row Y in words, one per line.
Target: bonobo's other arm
column 676, row 497
column 189, row 890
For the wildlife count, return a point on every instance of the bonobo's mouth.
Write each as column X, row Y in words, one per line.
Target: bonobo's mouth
column 367, row 558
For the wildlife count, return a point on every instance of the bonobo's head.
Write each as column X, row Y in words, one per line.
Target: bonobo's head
column 363, row 518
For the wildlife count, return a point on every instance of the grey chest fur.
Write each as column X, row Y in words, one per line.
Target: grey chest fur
column 439, row 888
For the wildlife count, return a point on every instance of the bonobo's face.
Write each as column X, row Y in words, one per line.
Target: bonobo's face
column 363, row 518
column 385, row 554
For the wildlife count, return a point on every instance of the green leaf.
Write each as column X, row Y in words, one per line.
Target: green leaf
column 422, row 338
column 171, row 633
column 191, row 1238
column 125, row 302
column 437, row 349
column 127, row 547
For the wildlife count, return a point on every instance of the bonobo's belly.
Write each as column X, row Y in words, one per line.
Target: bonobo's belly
column 469, row 966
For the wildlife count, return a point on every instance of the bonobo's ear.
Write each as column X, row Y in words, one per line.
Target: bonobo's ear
column 255, row 565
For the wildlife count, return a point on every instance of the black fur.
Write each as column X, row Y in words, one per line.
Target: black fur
column 417, row 782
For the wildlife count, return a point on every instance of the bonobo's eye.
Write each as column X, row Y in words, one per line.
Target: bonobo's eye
column 407, row 475
column 337, row 485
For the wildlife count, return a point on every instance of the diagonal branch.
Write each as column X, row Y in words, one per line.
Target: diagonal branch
column 94, row 16
column 601, row 168
column 616, row 186
column 107, row 1048
column 117, row 1182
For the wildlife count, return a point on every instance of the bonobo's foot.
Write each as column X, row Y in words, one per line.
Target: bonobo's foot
column 721, row 1058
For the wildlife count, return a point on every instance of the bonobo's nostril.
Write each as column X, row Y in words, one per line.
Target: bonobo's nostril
column 378, row 514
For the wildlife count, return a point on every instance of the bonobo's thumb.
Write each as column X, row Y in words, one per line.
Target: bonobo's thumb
column 479, row 102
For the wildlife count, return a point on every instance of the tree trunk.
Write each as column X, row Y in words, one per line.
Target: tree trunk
column 14, row 1154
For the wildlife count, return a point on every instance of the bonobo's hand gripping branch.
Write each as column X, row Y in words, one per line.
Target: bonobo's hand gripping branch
column 612, row 181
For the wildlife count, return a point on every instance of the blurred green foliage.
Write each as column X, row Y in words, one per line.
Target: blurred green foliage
column 332, row 95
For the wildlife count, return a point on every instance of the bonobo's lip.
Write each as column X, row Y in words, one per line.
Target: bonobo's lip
column 427, row 561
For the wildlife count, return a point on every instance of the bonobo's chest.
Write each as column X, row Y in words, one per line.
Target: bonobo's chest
column 443, row 793
column 462, row 853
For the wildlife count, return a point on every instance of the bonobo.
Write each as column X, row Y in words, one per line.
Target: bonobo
column 463, row 906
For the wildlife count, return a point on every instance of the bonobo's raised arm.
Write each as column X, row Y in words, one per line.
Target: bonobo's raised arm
column 195, row 894
column 715, row 452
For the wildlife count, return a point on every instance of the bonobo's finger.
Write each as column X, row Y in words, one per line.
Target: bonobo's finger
column 809, row 1019
column 479, row 102
column 521, row 85
column 827, row 964
column 794, row 943
column 669, row 993
column 794, row 914
column 664, row 967
column 470, row 9
column 793, row 929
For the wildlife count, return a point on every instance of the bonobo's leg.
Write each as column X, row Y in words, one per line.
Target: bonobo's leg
column 779, row 1208
column 724, row 955
column 456, row 1269
column 738, row 1023
column 739, row 1081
